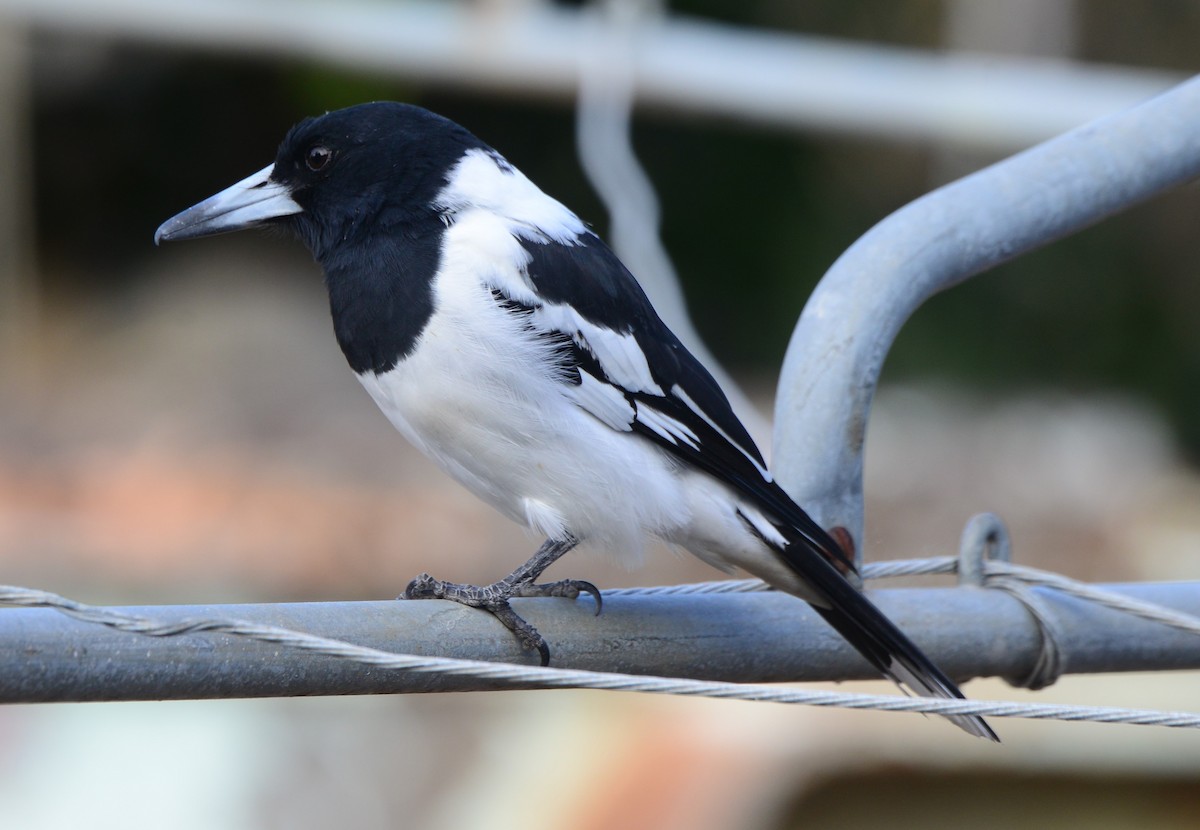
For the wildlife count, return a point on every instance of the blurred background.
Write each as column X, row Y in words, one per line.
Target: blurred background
column 178, row 426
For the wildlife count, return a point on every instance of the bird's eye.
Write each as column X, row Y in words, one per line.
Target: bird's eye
column 318, row 157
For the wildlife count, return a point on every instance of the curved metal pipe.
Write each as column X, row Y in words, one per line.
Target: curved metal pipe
column 837, row 350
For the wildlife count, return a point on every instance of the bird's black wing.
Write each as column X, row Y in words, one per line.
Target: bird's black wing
column 631, row 372
column 634, row 374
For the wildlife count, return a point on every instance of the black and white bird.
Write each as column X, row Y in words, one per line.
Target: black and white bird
column 506, row 341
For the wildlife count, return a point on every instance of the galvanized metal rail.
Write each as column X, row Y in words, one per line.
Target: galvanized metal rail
column 762, row 637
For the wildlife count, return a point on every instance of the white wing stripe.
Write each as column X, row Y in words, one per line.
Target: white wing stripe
column 666, row 426
column 605, row 402
column 678, row 392
column 763, row 526
column 619, row 355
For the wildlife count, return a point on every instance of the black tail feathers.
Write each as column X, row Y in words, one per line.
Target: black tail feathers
column 889, row 650
column 867, row 629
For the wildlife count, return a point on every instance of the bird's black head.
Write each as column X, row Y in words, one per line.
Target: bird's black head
column 359, row 187
column 338, row 177
column 366, row 169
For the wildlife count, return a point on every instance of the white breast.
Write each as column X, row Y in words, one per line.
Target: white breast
column 483, row 399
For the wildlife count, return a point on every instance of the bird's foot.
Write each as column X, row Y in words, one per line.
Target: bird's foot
column 494, row 599
column 520, row 583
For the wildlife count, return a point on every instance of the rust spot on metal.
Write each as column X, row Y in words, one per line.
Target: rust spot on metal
column 845, row 562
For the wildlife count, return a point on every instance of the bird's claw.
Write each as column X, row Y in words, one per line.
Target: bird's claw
column 494, row 599
column 526, row 633
column 425, row 587
column 569, row 588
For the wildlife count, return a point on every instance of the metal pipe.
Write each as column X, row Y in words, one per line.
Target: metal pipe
column 765, row 637
column 763, row 77
column 848, row 325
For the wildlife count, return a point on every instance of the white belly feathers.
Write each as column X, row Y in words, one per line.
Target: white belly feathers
column 530, row 450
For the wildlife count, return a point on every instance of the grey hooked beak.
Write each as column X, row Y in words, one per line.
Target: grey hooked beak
column 250, row 202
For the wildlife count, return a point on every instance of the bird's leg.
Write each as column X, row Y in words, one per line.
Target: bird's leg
column 520, row 583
